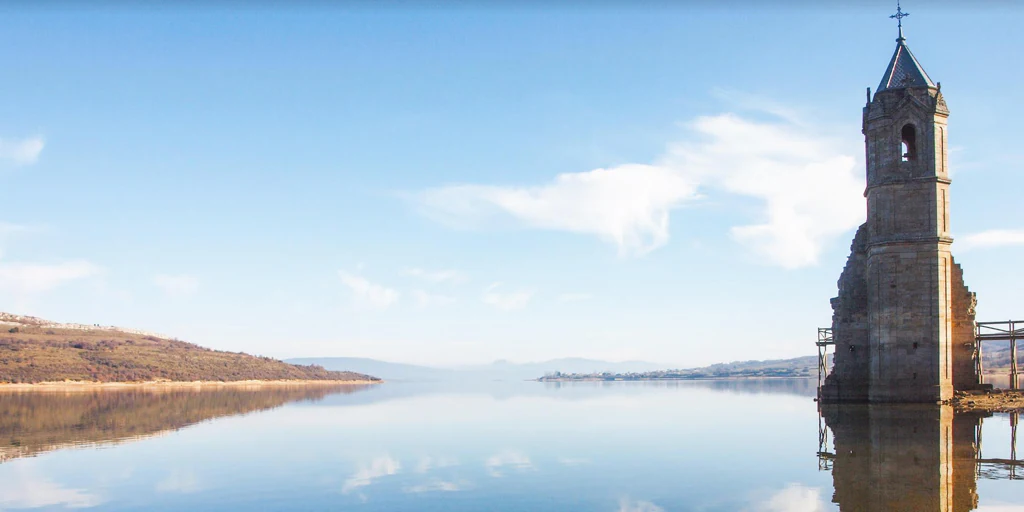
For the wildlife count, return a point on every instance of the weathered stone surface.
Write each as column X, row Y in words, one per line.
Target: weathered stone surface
column 848, row 382
column 903, row 321
column 965, row 373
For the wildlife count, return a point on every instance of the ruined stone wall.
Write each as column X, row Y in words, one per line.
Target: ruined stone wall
column 965, row 374
column 848, row 380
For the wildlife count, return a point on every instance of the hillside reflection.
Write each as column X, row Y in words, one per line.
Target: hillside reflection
column 35, row 422
column 909, row 458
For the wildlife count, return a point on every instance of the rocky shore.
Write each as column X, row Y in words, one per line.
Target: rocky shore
column 996, row 400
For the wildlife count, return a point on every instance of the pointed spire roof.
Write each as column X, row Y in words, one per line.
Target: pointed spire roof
column 904, row 70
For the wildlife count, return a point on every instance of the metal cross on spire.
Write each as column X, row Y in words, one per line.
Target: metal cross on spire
column 899, row 17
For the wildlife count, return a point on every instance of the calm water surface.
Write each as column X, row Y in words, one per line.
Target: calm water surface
column 499, row 446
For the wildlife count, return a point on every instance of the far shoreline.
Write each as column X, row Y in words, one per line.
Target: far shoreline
column 681, row 379
column 167, row 384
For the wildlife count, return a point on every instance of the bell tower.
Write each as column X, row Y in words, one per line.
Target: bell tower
column 903, row 322
column 909, row 265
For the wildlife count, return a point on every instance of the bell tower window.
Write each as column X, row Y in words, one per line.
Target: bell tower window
column 908, row 145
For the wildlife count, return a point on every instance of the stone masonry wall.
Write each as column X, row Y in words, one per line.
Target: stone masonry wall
column 965, row 375
column 848, row 379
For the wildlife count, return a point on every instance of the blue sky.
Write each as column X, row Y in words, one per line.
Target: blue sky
column 455, row 185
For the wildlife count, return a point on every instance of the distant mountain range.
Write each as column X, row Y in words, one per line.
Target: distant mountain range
column 996, row 357
column 806, row 366
column 498, row 370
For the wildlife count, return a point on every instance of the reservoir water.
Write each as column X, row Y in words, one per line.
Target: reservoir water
column 759, row 446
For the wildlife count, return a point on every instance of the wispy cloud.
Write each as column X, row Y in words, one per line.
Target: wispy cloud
column 626, row 205
column 177, row 285
column 184, row 482
column 807, row 184
column 506, row 301
column 438, row 485
column 627, row 505
column 806, row 187
column 430, row 463
column 991, row 239
column 425, row 299
column 366, row 475
column 574, row 297
column 509, row 459
column 437, row 276
column 6, row 228
column 369, row 293
column 39, row 277
column 573, row 461
column 24, row 489
column 21, row 151
column 794, row 498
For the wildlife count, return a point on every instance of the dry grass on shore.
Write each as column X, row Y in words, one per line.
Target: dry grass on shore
column 33, row 355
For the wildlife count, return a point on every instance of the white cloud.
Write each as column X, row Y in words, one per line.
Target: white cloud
column 437, row 276
column 429, row 463
column 424, row 299
column 626, row 205
column 573, row 461
column 627, row 505
column 177, row 285
column 6, row 228
column 495, row 464
column 25, row 490
column 21, row 151
column 369, row 293
column 807, row 188
column 179, row 481
column 38, row 277
column 438, row 485
column 992, row 238
column 795, row 498
column 574, row 297
column 808, row 185
column 378, row 467
column 506, row 301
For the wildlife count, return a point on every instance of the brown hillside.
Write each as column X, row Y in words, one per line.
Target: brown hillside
column 32, row 354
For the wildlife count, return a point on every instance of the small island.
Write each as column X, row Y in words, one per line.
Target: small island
column 36, row 352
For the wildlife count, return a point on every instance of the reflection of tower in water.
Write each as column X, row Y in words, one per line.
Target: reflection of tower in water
column 907, row 458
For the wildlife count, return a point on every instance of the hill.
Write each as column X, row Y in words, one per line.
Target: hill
column 38, row 351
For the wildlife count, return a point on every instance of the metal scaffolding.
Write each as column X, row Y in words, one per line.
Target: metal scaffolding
column 824, row 340
column 1011, row 330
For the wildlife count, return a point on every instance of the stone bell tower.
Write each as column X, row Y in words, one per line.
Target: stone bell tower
column 903, row 320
